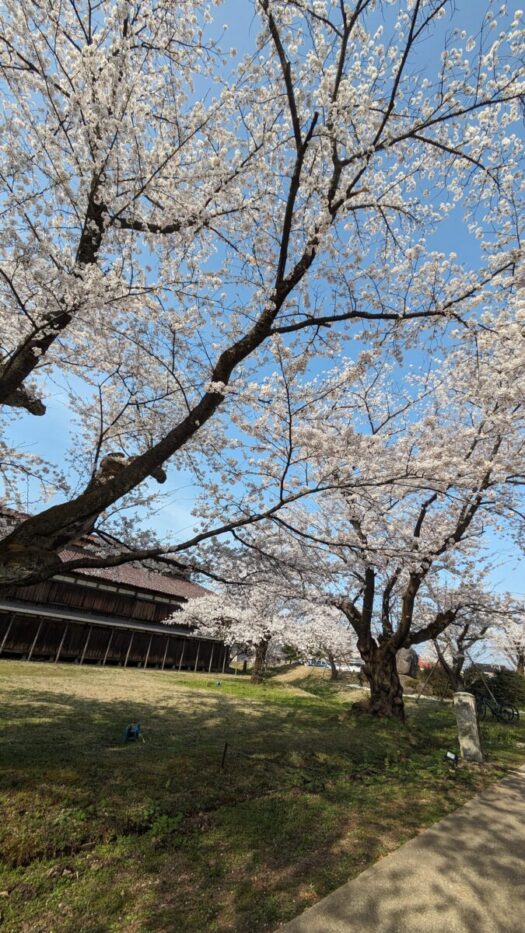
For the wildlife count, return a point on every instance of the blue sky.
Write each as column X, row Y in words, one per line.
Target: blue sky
column 50, row 435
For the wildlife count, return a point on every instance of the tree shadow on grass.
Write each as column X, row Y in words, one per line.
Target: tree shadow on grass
column 192, row 844
column 464, row 874
column 70, row 782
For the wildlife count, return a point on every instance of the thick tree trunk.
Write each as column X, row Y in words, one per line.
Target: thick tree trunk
column 386, row 692
column 520, row 666
column 260, row 661
column 334, row 673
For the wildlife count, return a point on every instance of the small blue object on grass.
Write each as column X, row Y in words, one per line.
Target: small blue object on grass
column 133, row 732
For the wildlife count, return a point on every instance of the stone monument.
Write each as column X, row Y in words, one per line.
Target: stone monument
column 468, row 731
column 407, row 662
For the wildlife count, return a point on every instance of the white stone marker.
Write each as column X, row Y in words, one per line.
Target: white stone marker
column 468, row 732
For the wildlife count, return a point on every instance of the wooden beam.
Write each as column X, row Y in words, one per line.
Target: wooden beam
column 165, row 652
column 112, row 632
column 197, row 655
column 211, row 657
column 147, row 652
column 225, row 652
column 182, row 655
column 61, row 645
column 83, row 655
column 129, row 649
column 35, row 639
column 7, row 632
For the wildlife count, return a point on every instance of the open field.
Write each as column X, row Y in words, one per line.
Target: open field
column 98, row 835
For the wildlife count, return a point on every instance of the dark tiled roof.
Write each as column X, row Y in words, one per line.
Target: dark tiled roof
column 132, row 574
column 137, row 577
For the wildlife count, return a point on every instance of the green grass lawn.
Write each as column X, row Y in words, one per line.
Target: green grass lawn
column 97, row 835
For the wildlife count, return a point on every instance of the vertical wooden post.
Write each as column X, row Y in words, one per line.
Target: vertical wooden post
column 112, row 632
column 61, row 645
column 182, row 655
column 35, row 639
column 147, row 652
column 211, row 657
column 224, row 659
column 8, row 630
column 197, row 655
column 129, row 649
column 83, row 655
column 165, row 652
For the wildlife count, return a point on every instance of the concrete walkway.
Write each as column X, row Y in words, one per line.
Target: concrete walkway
column 464, row 875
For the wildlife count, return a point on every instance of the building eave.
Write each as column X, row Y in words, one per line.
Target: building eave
column 90, row 618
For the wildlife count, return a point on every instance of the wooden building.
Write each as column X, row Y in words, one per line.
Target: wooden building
column 107, row 616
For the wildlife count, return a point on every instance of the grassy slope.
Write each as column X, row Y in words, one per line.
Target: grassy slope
column 98, row 835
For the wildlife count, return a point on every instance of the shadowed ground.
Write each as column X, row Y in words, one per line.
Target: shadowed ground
column 100, row 836
column 465, row 874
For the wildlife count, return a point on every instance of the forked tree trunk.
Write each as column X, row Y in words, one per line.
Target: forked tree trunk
column 260, row 661
column 452, row 672
column 386, row 692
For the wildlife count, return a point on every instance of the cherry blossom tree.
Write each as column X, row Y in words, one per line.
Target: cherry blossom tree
column 177, row 225
column 422, row 473
column 259, row 617
column 249, row 617
column 509, row 638
column 321, row 632
column 481, row 614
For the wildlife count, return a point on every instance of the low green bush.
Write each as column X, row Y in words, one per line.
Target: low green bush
column 509, row 688
column 438, row 685
column 477, row 682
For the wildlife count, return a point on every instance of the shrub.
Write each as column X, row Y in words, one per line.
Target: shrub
column 509, row 688
column 476, row 682
column 409, row 684
column 438, row 685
